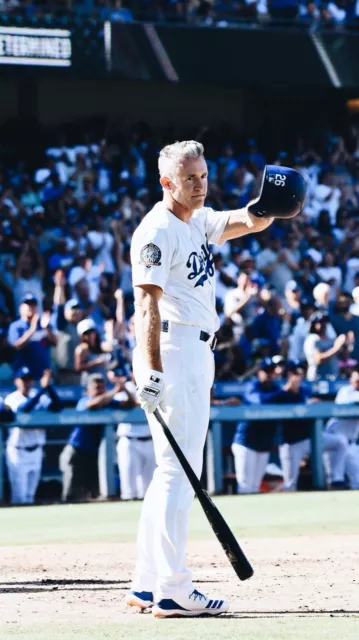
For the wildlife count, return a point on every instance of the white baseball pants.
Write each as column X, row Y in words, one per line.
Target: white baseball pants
column 291, row 455
column 250, row 467
column 188, row 373
column 352, row 466
column 136, row 465
column 24, row 470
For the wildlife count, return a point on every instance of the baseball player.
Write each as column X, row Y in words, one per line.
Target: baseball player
column 24, row 447
column 175, row 324
column 348, row 428
column 135, row 454
column 254, row 439
column 294, row 435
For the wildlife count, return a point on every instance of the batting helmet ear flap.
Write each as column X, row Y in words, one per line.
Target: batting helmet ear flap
column 282, row 193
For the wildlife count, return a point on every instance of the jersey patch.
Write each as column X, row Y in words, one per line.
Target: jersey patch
column 150, row 255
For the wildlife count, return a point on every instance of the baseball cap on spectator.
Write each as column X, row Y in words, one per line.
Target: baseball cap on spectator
column 28, row 298
column 315, row 255
column 72, row 304
column 23, row 372
column 86, row 325
column 245, row 255
column 41, row 175
column 292, row 285
column 294, row 366
column 266, row 364
column 76, row 275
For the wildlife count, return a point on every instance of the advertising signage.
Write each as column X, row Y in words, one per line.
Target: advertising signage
column 35, row 47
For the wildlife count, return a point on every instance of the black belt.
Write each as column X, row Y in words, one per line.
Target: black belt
column 33, row 448
column 142, row 438
column 204, row 336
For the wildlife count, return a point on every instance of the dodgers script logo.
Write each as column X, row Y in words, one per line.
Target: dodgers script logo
column 201, row 265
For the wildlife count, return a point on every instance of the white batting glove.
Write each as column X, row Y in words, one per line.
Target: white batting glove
column 151, row 392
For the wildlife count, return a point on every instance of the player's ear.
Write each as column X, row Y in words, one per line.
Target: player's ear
column 166, row 183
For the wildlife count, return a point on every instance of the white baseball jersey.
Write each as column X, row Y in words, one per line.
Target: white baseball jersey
column 20, row 437
column 175, row 256
column 348, row 426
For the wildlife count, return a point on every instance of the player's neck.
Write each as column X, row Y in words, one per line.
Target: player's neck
column 177, row 209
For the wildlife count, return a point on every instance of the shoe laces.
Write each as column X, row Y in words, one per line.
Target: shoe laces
column 196, row 594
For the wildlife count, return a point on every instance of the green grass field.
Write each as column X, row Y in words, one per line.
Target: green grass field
column 270, row 515
column 199, row 629
column 251, row 517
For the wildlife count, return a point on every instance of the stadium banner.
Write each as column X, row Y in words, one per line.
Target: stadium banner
column 234, row 56
column 76, row 49
column 39, row 47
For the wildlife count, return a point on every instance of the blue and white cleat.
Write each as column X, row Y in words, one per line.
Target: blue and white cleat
column 196, row 604
column 141, row 599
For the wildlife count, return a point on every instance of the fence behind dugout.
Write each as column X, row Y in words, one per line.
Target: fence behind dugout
column 214, row 461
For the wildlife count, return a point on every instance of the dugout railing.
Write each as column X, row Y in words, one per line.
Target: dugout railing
column 214, row 461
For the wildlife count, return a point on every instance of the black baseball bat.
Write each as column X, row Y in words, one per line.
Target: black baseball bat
column 221, row 529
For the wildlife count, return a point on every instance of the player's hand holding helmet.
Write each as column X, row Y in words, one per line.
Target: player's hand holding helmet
column 282, row 193
column 151, row 392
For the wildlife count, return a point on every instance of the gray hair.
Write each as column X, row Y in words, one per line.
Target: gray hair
column 172, row 155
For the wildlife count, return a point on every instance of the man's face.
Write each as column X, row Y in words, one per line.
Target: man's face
column 24, row 385
column 354, row 380
column 27, row 310
column 266, row 376
column 188, row 186
column 96, row 388
column 73, row 315
column 296, row 376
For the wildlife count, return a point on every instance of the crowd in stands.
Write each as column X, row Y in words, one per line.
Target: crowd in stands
column 67, row 214
column 66, row 300
column 221, row 13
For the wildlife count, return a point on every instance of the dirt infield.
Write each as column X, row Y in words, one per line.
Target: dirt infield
column 293, row 576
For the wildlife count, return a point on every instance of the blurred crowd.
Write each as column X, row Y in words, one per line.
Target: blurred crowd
column 287, row 295
column 66, row 299
column 324, row 13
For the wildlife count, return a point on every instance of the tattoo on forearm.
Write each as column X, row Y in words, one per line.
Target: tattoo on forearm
column 148, row 331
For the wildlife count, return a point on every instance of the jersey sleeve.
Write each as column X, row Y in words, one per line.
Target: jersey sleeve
column 151, row 257
column 216, row 222
column 310, row 346
column 346, row 395
column 82, row 404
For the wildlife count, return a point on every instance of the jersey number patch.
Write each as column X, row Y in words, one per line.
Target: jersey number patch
column 150, row 255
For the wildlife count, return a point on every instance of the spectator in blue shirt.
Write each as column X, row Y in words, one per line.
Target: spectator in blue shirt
column 32, row 336
column 79, row 458
column 268, row 324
